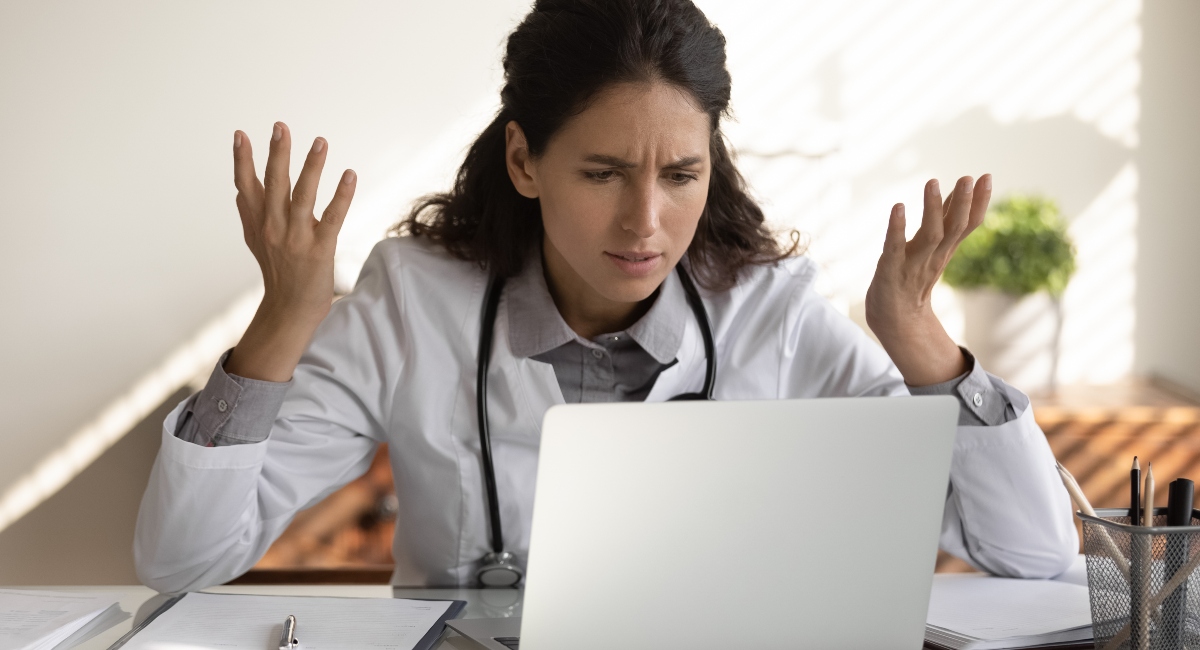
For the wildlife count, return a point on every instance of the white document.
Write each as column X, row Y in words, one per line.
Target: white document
column 227, row 621
column 975, row 611
column 41, row 620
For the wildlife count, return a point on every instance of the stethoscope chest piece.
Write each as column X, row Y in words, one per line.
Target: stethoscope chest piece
column 499, row 570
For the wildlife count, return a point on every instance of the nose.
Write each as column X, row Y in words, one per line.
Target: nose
column 640, row 210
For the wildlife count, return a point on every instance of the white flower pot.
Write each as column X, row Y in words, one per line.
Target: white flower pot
column 1014, row 337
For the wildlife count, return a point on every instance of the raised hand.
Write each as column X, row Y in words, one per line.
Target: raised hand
column 898, row 301
column 293, row 248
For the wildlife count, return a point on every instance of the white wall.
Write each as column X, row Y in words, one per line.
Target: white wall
column 121, row 238
column 1041, row 93
column 1168, row 273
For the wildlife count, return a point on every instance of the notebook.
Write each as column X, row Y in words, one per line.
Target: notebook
column 45, row 620
column 232, row 621
column 978, row 612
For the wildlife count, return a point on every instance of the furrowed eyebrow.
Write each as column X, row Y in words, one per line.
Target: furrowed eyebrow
column 685, row 162
column 613, row 161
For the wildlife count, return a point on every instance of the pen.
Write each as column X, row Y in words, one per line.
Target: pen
column 1135, row 493
column 288, row 640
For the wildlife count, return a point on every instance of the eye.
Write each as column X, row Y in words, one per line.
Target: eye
column 682, row 178
column 600, row 176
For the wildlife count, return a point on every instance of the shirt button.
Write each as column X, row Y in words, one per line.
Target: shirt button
column 222, row 405
column 978, row 399
column 597, row 353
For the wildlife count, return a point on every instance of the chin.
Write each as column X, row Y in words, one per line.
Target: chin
column 629, row 289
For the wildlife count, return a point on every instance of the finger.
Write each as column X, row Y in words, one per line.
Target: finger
column 893, row 241
column 277, row 184
column 245, row 179
column 955, row 220
column 979, row 205
column 335, row 212
column 304, row 195
column 930, row 233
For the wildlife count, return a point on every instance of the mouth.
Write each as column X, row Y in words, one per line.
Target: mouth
column 635, row 263
column 634, row 257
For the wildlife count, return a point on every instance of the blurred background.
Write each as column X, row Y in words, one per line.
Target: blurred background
column 125, row 275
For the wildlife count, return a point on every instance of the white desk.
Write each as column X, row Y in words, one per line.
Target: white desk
column 481, row 603
column 141, row 601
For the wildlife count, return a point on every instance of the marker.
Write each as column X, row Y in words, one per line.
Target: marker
column 1181, row 493
column 1179, row 513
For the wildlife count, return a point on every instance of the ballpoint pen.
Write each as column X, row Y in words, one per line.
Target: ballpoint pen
column 288, row 640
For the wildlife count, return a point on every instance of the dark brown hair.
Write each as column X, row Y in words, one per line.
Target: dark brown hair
column 556, row 60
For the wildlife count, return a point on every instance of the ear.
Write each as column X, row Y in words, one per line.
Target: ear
column 518, row 161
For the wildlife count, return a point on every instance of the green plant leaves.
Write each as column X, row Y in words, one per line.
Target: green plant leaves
column 1021, row 247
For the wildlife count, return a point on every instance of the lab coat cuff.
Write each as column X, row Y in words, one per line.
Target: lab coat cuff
column 182, row 452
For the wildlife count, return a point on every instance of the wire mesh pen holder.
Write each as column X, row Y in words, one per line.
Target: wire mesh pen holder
column 1143, row 581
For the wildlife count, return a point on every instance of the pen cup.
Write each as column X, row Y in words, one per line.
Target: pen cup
column 1138, row 581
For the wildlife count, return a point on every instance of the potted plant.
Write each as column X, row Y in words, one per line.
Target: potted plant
column 1010, row 275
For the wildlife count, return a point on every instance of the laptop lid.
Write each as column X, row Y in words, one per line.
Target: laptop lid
column 690, row 524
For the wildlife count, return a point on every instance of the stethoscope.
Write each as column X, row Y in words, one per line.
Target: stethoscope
column 498, row 568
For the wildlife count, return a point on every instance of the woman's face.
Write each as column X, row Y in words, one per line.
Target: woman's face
column 622, row 186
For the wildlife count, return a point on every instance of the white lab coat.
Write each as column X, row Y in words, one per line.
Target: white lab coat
column 395, row 362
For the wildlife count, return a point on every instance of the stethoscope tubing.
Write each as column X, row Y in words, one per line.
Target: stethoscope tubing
column 491, row 305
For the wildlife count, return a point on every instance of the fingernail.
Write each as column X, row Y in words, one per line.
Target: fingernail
column 318, row 145
column 933, row 186
column 965, row 183
column 237, row 139
column 348, row 176
column 277, row 133
column 986, row 182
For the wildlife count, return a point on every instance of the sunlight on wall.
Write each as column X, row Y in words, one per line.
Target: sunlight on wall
column 86, row 444
column 873, row 98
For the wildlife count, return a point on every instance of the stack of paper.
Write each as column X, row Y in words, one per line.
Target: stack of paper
column 974, row 612
column 41, row 620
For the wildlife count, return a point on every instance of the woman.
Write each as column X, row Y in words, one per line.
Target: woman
column 603, row 174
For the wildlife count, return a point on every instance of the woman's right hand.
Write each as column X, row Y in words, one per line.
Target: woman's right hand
column 294, row 250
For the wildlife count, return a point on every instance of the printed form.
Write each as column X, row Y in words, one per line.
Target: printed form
column 228, row 621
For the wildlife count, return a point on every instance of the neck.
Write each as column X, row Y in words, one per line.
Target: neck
column 586, row 311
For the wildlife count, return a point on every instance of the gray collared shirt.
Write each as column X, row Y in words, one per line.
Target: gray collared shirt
column 616, row 367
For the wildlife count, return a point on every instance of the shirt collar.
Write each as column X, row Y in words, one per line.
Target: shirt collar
column 535, row 326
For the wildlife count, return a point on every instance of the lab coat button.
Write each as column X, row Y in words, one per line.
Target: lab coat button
column 597, row 353
column 978, row 399
column 222, row 405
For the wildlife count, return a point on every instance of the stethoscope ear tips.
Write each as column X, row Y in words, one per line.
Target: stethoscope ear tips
column 499, row 570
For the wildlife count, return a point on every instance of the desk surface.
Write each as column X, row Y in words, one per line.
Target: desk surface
column 141, row 601
column 481, row 603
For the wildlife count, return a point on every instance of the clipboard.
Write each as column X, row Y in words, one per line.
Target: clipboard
column 454, row 610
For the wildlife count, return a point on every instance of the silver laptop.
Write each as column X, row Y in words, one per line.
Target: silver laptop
column 761, row 524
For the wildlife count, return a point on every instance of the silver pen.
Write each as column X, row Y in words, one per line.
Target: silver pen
column 288, row 640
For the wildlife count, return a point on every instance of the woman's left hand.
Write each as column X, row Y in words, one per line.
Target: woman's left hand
column 898, row 302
